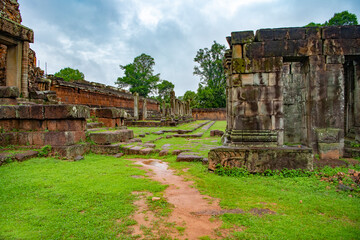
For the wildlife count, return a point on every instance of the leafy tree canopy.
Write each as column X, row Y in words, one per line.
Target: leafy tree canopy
column 192, row 96
column 139, row 76
column 211, row 91
column 339, row 19
column 69, row 74
column 164, row 88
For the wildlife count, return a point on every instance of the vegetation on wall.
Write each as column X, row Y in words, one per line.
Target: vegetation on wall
column 70, row 74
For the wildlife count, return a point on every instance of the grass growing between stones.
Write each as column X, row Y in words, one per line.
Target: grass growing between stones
column 45, row 198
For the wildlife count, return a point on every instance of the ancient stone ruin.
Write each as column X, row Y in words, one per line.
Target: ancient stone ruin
column 38, row 110
column 291, row 92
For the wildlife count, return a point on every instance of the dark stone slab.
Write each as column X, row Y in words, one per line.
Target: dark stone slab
column 149, row 145
column 110, row 112
column 242, row 37
column 106, row 149
column 163, row 153
column 189, row 157
column 254, row 50
column 342, row 47
column 350, row 32
column 66, row 111
column 108, row 137
column 70, row 152
column 9, row 92
column 333, row 32
column 26, row 155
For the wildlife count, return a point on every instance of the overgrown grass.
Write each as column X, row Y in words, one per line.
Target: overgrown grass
column 45, row 198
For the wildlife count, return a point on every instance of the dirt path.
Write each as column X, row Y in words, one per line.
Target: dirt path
column 187, row 204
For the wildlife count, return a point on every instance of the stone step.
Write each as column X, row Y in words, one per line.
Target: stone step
column 21, row 156
column 72, row 151
column 109, row 137
column 92, row 125
column 107, row 149
column 189, row 157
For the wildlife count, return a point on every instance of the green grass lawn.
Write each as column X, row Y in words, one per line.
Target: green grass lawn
column 46, row 198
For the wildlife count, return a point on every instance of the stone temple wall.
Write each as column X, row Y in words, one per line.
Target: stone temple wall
column 10, row 10
column 294, row 86
column 99, row 95
column 218, row 114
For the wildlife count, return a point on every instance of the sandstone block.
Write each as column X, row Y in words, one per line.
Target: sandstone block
column 108, row 137
column 189, row 157
column 237, row 51
column 106, row 149
column 66, row 111
column 72, row 151
column 26, row 155
column 328, row 135
column 8, row 101
column 242, row 37
column 329, row 150
column 9, row 92
column 341, row 47
column 8, row 112
column 163, row 153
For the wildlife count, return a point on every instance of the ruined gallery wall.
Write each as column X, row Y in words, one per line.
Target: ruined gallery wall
column 9, row 9
column 97, row 95
column 290, row 84
column 218, row 114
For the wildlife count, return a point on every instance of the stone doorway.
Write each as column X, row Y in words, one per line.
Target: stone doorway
column 295, row 97
column 352, row 95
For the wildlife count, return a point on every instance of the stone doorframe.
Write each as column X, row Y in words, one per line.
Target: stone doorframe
column 17, row 38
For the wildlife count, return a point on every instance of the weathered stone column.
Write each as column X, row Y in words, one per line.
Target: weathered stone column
column 172, row 103
column 25, row 69
column 163, row 112
column 190, row 111
column 136, row 106
column 144, row 109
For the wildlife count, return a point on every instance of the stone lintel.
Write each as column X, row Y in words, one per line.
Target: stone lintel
column 16, row 30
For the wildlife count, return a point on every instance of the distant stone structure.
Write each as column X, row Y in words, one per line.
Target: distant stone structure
column 293, row 86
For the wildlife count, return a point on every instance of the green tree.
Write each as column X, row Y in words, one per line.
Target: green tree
column 342, row 19
column 164, row 88
column 69, row 74
column 211, row 92
column 339, row 19
column 139, row 76
column 190, row 95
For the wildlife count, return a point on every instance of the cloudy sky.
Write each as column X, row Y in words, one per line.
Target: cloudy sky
column 96, row 36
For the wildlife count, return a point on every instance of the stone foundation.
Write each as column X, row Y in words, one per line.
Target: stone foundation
column 257, row 160
column 110, row 117
column 61, row 126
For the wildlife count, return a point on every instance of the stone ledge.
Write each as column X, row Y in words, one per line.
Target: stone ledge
column 42, row 112
column 257, row 159
column 16, row 30
column 9, row 92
